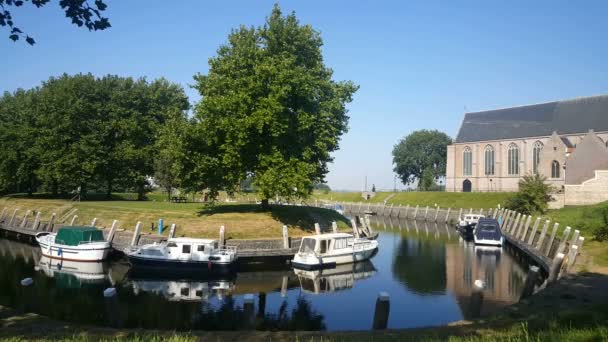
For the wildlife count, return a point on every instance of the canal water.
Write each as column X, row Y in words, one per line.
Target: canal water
column 427, row 270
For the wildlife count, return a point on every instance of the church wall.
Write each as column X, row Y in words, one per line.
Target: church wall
column 589, row 192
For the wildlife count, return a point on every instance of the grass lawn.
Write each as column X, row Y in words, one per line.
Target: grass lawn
column 192, row 219
column 442, row 199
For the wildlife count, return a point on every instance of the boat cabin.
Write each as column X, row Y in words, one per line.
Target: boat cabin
column 181, row 248
column 325, row 243
column 473, row 218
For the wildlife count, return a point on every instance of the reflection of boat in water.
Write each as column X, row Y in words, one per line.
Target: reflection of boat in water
column 73, row 274
column 194, row 288
column 335, row 279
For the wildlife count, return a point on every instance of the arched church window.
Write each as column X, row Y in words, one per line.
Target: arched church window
column 555, row 171
column 513, row 159
column 538, row 146
column 467, row 161
column 489, row 160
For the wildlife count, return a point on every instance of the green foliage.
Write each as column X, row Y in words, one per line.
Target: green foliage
column 533, row 195
column 270, row 110
column 84, row 132
column 79, row 11
column 169, row 151
column 419, row 152
column 601, row 233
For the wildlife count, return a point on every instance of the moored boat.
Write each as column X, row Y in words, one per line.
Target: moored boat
column 466, row 225
column 184, row 254
column 329, row 250
column 74, row 244
column 487, row 232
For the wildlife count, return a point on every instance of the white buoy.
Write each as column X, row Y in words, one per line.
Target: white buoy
column 480, row 284
column 109, row 292
column 27, row 282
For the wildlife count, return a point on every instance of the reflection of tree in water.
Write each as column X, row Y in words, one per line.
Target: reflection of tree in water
column 420, row 264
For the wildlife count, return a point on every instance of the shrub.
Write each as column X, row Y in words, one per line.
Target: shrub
column 601, row 233
column 533, row 195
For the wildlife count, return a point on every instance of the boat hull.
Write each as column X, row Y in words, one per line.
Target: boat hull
column 312, row 262
column 81, row 253
column 150, row 264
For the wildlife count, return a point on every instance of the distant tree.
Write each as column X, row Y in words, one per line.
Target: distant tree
column 420, row 151
column 323, row 187
column 169, row 151
column 270, row 109
column 533, row 196
column 373, row 187
column 79, row 11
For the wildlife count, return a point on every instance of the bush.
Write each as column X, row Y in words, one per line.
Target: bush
column 601, row 233
column 533, row 195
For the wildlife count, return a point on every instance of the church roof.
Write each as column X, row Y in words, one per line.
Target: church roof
column 566, row 117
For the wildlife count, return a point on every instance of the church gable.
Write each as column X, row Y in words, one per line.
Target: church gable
column 553, row 156
column 590, row 154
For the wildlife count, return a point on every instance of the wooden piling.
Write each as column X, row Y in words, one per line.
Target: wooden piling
column 575, row 237
column 481, row 211
column 416, row 212
column 436, row 213
column 551, row 239
column 526, row 228
column 564, row 240
column 447, row 215
column 94, row 222
column 73, row 222
column 381, row 312
column 534, row 229
column 514, row 224
column 426, row 213
column 572, row 253
column 398, row 210
column 390, row 212
column 51, row 225
column 2, row 215
column 10, row 223
column 135, row 238
column 284, row 283
column 543, row 233
column 407, row 209
column 556, row 266
column 172, row 231
column 36, row 221
column 110, row 236
column 222, row 241
column 317, row 229
column 334, row 227
column 285, row 237
column 355, row 230
column 460, row 214
column 25, row 217
column 530, row 282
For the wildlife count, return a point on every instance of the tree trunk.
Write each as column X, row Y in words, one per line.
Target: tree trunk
column 109, row 190
column 55, row 188
column 141, row 192
column 265, row 204
column 168, row 193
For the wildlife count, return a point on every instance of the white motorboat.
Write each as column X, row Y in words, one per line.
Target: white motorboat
column 487, row 232
column 329, row 250
column 184, row 253
column 467, row 223
column 74, row 244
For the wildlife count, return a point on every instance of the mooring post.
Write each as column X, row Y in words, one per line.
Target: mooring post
column 556, row 266
column 481, row 211
column 248, row 311
column 518, row 225
column 360, row 205
column 543, row 234
column 522, row 227
column 355, row 230
column 172, row 231
column 284, row 283
column 551, row 239
column 575, row 237
column 471, row 211
column 51, row 226
column 135, row 238
column 436, row 213
column 317, row 229
column 526, row 228
column 407, row 209
column 222, row 236
column 426, row 213
column 285, row 237
column 447, row 215
column 36, row 221
column 513, row 226
column 13, row 217
column 399, row 211
column 534, row 229
column 530, row 282
column 390, row 212
column 94, row 222
column 416, row 212
column 381, row 312
column 477, row 298
column 562, row 244
column 2, row 215
column 507, row 218
column 459, row 214
column 572, row 253
column 24, row 222
column 110, row 236
column 74, row 220
column 580, row 242
column 334, row 227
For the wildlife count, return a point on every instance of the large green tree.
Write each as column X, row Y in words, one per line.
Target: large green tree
column 421, row 156
column 269, row 110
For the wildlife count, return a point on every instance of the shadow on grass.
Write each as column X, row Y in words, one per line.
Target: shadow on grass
column 292, row 216
column 89, row 197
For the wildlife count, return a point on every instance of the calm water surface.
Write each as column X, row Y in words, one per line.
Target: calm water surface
column 427, row 270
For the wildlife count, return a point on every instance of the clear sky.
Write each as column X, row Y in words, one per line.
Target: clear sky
column 420, row 64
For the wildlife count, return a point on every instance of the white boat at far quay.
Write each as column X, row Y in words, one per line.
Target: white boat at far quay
column 74, row 244
column 329, row 250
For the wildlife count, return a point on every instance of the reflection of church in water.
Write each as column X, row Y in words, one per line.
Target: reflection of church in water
column 466, row 263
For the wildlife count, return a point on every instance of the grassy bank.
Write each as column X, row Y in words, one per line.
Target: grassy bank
column 442, row 199
column 192, row 219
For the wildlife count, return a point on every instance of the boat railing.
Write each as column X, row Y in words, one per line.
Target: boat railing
column 226, row 249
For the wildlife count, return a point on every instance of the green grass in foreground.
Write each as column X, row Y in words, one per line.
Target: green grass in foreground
column 442, row 199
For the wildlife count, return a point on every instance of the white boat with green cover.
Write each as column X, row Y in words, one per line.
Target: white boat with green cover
column 74, row 244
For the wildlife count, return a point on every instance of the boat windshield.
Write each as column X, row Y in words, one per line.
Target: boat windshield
column 488, row 228
column 308, row 245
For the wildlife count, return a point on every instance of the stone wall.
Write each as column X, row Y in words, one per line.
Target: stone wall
column 592, row 191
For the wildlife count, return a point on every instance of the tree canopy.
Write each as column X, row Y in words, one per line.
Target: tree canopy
column 533, row 196
column 79, row 11
column 81, row 132
column 270, row 110
column 421, row 156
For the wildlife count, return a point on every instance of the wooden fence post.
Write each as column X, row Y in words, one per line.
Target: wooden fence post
column 94, row 222
column 74, row 220
column 572, row 253
column 447, row 216
column 543, row 233
column 51, row 225
column 317, row 229
column 110, row 236
column 534, row 229
column 436, row 213
column 24, row 222
column 222, row 236
column 575, row 237
column 13, row 217
column 135, row 238
column 285, row 237
column 334, row 227
column 551, row 239
column 355, row 230
column 172, row 231
column 562, row 245
column 36, row 221
column 526, row 227
column 459, row 214
column 556, row 266
column 416, row 212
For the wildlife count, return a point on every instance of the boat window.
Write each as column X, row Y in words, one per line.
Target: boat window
column 200, row 248
column 152, row 252
column 185, row 291
column 488, row 228
column 308, row 245
column 323, row 246
column 199, row 293
column 186, row 249
column 171, row 244
column 340, row 243
column 215, row 245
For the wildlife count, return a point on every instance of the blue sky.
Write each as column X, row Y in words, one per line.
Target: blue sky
column 419, row 64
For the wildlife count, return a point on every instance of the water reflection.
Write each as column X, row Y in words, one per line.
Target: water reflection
column 341, row 277
column 71, row 274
